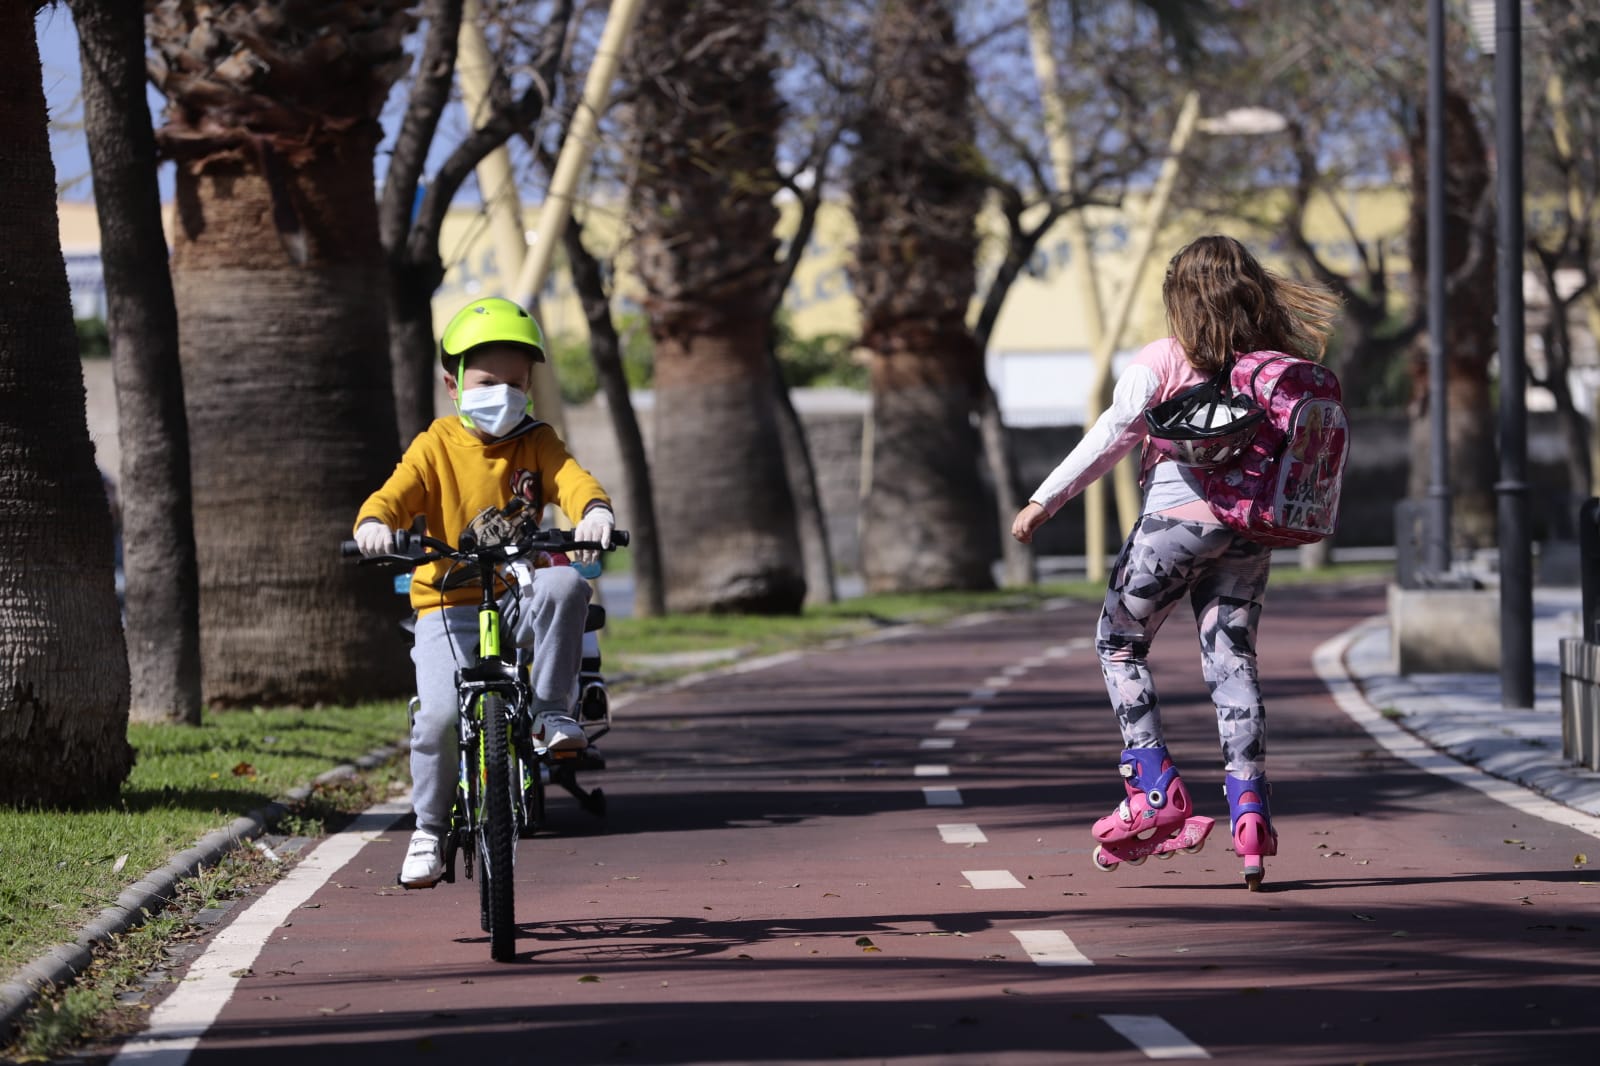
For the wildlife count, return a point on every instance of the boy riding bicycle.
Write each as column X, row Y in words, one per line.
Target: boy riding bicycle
column 489, row 452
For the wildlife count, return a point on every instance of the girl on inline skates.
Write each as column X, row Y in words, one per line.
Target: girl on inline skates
column 1219, row 301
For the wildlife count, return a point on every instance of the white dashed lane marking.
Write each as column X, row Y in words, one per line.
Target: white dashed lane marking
column 1050, row 947
column 950, row 725
column 1155, row 1036
column 942, row 797
column 936, row 743
column 962, row 833
column 997, row 681
column 967, row 712
column 991, row 879
column 931, row 770
column 981, row 694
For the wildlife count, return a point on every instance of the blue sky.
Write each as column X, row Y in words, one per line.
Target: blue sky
column 58, row 54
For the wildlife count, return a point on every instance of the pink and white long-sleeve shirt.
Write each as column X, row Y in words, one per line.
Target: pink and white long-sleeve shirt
column 1159, row 372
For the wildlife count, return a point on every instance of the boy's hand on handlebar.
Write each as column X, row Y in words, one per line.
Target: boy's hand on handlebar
column 1028, row 519
column 596, row 525
column 374, row 538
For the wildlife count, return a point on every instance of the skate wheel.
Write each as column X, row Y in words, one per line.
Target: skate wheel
column 1166, row 855
column 1136, row 862
column 1196, row 849
column 1252, row 879
column 1100, row 862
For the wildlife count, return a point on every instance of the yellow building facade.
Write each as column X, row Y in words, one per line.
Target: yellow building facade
column 1039, row 356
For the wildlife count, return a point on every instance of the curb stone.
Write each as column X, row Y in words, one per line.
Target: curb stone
column 61, row 964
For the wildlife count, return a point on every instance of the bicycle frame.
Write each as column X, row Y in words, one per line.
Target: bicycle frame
column 499, row 766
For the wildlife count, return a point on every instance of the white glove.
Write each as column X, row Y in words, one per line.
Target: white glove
column 596, row 525
column 374, row 538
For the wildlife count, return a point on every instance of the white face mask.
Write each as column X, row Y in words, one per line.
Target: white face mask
column 493, row 409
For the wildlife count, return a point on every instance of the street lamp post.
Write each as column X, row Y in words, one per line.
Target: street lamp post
column 1516, row 565
column 1437, row 529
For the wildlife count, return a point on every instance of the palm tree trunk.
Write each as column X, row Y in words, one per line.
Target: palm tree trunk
column 291, row 412
column 705, row 124
column 731, row 504
column 162, row 599
column 923, row 524
column 63, row 665
column 926, row 520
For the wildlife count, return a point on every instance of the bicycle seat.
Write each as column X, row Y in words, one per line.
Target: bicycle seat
column 595, row 619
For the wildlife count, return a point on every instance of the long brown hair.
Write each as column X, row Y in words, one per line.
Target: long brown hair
column 1221, row 301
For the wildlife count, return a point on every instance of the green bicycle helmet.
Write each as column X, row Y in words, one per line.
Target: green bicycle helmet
column 491, row 320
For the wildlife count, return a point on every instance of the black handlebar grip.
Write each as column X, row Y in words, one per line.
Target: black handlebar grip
column 619, row 538
column 349, row 549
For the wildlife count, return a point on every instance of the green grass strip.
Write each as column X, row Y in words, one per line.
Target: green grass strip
column 59, row 868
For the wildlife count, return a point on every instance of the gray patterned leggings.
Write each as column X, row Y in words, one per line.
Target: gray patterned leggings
column 1225, row 578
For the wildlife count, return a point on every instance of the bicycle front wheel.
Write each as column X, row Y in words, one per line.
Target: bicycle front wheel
column 497, row 831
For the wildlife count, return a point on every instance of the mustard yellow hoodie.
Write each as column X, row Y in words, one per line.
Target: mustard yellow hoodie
column 448, row 475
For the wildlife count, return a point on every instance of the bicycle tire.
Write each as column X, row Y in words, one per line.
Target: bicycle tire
column 497, row 833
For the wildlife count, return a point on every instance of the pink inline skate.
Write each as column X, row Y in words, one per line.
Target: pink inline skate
column 1156, row 819
column 1253, row 836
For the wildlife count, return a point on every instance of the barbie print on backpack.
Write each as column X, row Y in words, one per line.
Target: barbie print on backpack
column 1192, row 399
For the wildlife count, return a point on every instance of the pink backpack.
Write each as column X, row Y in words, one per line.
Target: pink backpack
column 1284, row 488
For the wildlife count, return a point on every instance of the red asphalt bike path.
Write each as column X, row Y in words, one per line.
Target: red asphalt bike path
column 772, row 886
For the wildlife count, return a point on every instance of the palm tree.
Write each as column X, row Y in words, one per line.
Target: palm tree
column 272, row 119
column 63, row 673
column 162, row 595
column 916, row 190
column 704, row 120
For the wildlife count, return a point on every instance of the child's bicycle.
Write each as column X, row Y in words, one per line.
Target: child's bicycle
column 500, row 787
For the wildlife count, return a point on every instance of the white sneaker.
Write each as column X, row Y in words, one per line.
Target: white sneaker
column 558, row 732
column 424, row 865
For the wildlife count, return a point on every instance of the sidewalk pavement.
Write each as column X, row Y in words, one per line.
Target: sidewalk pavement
column 1461, row 714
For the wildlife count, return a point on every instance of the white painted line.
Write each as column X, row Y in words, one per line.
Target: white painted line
column 930, row 770
column 997, row 681
column 1051, row 947
column 1058, row 651
column 1328, row 660
column 936, row 743
column 962, row 833
column 942, row 796
column 180, row 1020
column 967, row 712
column 991, row 879
column 949, row 725
column 981, row 694
column 1018, row 670
column 1155, row 1036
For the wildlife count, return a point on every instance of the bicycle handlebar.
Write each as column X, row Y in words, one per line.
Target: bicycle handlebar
column 415, row 549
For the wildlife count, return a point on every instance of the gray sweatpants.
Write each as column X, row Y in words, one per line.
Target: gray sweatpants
column 550, row 626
